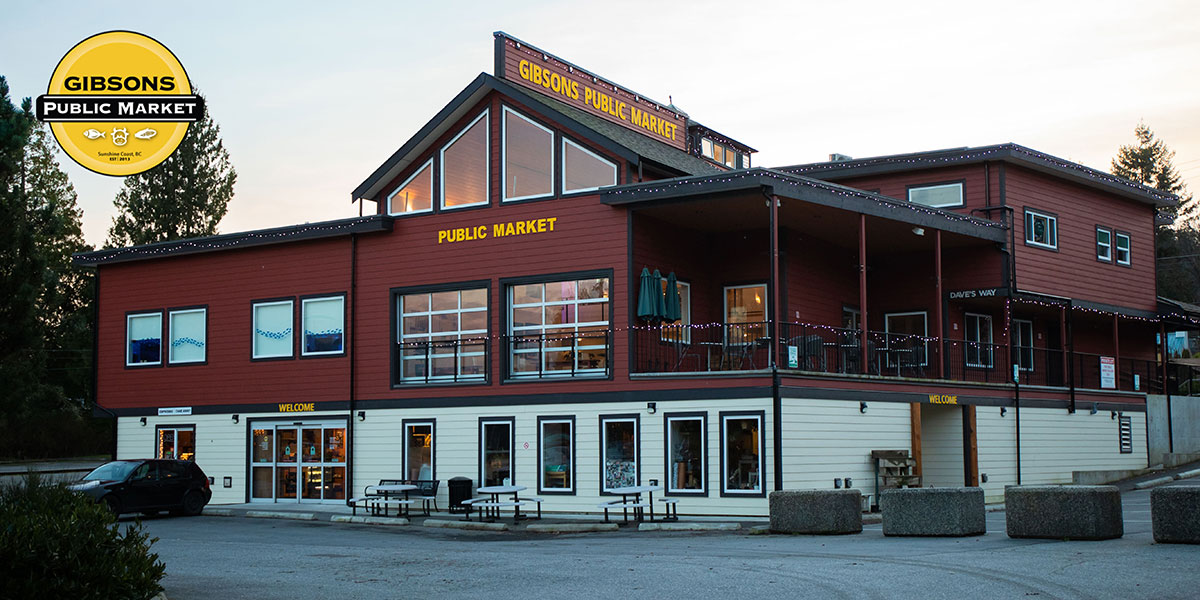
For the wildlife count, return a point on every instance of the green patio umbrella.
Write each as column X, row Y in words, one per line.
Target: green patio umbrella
column 660, row 303
column 648, row 290
column 673, row 311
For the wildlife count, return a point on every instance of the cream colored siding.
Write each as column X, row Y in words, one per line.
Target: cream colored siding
column 942, row 446
column 1055, row 442
column 997, row 450
column 827, row 439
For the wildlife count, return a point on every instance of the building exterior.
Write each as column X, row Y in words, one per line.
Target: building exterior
column 505, row 314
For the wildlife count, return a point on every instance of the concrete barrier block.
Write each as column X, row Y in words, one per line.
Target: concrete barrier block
column 937, row 512
column 816, row 511
column 1175, row 512
column 1062, row 512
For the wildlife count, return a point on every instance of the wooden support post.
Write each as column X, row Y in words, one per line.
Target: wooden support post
column 1117, row 351
column 970, row 447
column 862, row 290
column 915, row 423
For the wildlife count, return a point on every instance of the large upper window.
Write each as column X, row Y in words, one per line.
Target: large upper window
column 584, row 170
column 979, row 340
column 415, row 195
column 687, row 453
column 465, row 166
column 188, row 333
column 272, row 329
column 937, row 196
column 442, row 335
column 143, row 339
column 1041, row 229
column 324, row 321
column 528, row 158
column 559, row 328
column 906, row 344
column 556, row 454
column 1123, row 252
column 619, row 444
column 741, row 454
column 745, row 313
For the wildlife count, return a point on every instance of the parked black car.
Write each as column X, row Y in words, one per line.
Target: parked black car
column 148, row 486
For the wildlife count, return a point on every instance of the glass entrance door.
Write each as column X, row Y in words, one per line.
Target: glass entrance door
column 298, row 462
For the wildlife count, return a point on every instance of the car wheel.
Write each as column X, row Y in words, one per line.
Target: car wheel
column 193, row 503
column 114, row 504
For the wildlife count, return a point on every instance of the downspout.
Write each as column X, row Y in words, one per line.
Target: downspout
column 773, row 348
column 353, row 342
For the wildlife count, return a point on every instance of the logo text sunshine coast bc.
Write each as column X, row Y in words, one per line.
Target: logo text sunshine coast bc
column 119, row 103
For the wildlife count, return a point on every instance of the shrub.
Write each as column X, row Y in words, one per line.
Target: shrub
column 55, row 543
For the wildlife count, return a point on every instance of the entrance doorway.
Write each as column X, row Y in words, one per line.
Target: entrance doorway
column 298, row 462
column 942, row 446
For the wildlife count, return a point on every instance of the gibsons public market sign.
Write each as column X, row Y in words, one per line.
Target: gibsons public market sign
column 549, row 75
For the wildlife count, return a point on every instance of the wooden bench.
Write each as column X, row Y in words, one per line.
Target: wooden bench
column 637, row 507
column 671, row 508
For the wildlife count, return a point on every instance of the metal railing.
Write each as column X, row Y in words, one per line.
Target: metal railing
column 441, row 361
column 701, row 348
column 554, row 354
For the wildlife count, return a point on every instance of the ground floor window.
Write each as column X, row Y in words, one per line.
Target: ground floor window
column 176, row 441
column 741, row 453
column 978, row 330
column 418, row 450
column 495, row 451
column 298, row 462
column 556, row 454
column 619, row 451
column 687, row 450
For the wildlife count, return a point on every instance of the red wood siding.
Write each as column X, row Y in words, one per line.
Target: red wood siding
column 226, row 282
column 974, row 178
column 1073, row 270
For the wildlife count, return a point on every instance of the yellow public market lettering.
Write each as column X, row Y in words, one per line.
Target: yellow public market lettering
column 942, row 399
column 499, row 230
column 298, row 407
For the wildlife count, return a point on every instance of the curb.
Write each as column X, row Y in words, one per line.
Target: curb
column 570, row 527
column 269, row 514
column 1153, row 482
column 218, row 512
column 760, row 530
column 368, row 520
column 475, row 525
column 1187, row 474
column 689, row 526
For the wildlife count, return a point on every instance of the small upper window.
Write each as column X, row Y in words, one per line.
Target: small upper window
column 465, row 166
column 414, row 195
column 272, row 330
column 1103, row 244
column 937, row 196
column 1123, row 252
column 143, row 336
column 528, row 158
column 1041, row 230
column 584, row 170
column 323, row 322
column 721, row 153
column 188, row 331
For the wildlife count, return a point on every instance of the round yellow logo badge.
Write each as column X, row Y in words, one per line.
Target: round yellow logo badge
column 119, row 103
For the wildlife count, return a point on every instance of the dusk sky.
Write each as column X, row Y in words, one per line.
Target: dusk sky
column 311, row 98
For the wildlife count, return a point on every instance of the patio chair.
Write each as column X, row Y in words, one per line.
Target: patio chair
column 427, row 493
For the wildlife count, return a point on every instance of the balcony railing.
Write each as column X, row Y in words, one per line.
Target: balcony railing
column 822, row 349
column 442, row 361
column 553, row 354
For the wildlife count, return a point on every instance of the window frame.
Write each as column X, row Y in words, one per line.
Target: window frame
column 1108, row 246
column 637, row 447
column 176, row 427
column 887, row 332
column 304, row 300
column 1030, row 215
column 291, row 301
column 1017, row 325
column 397, row 333
column 959, row 183
column 487, row 179
column 979, row 343
column 761, row 325
column 681, row 331
column 170, row 337
column 507, row 285
column 1117, row 236
column 427, row 164
column 405, row 424
column 542, row 420
column 504, row 112
column 563, row 171
column 668, row 490
column 722, row 419
column 512, row 446
column 129, row 316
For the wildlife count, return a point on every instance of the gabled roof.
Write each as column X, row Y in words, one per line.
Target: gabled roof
column 627, row 144
column 805, row 189
column 230, row 241
column 1179, row 313
column 1013, row 153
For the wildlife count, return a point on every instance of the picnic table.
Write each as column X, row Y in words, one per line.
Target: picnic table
column 389, row 493
column 491, row 507
column 631, row 499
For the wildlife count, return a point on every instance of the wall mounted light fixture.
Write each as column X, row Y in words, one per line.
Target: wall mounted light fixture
column 362, row 415
column 1095, row 408
column 918, row 230
column 235, row 418
column 143, row 421
column 862, row 407
column 651, row 407
column 1113, row 415
column 1003, row 411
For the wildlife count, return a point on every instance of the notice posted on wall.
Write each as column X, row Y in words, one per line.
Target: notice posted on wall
column 1108, row 373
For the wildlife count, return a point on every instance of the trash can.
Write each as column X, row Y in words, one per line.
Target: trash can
column 459, row 489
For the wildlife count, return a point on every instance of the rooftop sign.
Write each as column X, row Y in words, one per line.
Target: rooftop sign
column 551, row 76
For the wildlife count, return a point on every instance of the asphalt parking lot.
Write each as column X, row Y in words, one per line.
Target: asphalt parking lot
column 221, row 557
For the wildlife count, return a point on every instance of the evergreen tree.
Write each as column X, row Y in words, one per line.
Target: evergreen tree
column 185, row 196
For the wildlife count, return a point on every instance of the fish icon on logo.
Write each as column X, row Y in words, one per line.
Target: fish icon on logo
column 92, row 134
column 145, row 134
